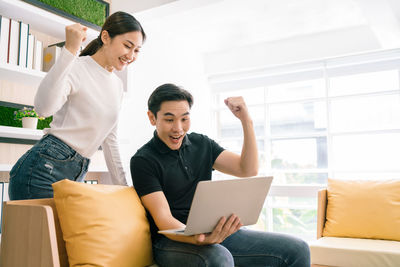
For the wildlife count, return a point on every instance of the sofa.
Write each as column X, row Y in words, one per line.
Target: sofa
column 350, row 251
column 34, row 234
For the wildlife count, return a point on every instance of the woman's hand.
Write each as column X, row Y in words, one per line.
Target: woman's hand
column 75, row 34
column 223, row 229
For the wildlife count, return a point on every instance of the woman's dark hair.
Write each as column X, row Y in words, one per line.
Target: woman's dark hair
column 167, row 92
column 116, row 24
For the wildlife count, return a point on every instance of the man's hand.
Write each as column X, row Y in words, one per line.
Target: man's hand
column 238, row 107
column 223, row 229
column 75, row 34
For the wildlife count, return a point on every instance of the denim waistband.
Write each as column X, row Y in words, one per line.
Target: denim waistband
column 49, row 138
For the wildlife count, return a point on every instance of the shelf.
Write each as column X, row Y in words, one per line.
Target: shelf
column 21, row 75
column 20, row 133
column 40, row 19
column 46, row 23
column 97, row 168
column 31, row 134
column 7, row 168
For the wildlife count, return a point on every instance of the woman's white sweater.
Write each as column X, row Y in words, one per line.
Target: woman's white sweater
column 84, row 100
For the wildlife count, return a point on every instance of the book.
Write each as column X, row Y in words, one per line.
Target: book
column 90, row 181
column 23, row 44
column 1, row 198
column 5, row 192
column 4, row 197
column 13, row 42
column 38, row 55
column 4, row 34
column 31, row 45
column 50, row 56
column 60, row 44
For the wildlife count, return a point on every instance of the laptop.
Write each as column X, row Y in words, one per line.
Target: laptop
column 244, row 197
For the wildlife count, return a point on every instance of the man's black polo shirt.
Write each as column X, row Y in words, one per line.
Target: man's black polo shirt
column 155, row 167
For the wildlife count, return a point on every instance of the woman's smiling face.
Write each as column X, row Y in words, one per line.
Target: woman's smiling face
column 123, row 49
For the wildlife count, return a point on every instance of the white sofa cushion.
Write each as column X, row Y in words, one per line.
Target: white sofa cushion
column 348, row 252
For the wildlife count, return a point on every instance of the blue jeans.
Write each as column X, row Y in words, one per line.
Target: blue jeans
column 245, row 248
column 48, row 161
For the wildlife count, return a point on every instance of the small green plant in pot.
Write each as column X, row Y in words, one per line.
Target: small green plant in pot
column 28, row 116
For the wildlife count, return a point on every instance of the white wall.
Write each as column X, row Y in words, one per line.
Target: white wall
column 165, row 58
column 296, row 49
column 137, row 5
column 185, row 46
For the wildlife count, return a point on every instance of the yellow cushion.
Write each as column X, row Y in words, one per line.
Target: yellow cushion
column 363, row 209
column 102, row 225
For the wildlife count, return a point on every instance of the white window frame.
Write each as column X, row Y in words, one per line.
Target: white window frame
column 324, row 68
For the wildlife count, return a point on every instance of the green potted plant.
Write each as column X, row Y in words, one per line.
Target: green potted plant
column 28, row 116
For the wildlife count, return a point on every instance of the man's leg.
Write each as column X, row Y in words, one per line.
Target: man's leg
column 171, row 253
column 255, row 248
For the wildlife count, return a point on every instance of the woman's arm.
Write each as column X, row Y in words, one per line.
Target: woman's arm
column 55, row 87
column 113, row 159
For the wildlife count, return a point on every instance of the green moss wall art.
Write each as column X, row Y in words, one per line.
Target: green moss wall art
column 91, row 13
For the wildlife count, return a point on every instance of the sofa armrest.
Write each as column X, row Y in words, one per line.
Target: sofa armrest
column 321, row 212
column 31, row 235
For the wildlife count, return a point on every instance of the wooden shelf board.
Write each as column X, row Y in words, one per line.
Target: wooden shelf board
column 20, row 133
column 21, row 75
column 7, row 168
column 40, row 19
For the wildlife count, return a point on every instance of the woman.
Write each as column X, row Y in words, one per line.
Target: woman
column 84, row 96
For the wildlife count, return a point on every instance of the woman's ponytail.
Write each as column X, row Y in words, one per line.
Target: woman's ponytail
column 92, row 47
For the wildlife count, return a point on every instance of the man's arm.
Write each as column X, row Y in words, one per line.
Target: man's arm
column 157, row 205
column 245, row 164
column 144, row 176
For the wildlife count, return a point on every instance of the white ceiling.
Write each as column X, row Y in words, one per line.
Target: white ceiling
column 221, row 23
column 137, row 5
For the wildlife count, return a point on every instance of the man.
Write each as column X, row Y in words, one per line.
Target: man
column 165, row 172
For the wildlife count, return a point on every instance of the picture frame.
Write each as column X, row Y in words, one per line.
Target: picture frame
column 93, row 15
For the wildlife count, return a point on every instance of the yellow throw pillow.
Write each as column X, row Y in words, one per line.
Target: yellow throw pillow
column 363, row 209
column 103, row 225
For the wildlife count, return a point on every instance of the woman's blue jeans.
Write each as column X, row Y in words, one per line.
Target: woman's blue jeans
column 245, row 248
column 48, row 161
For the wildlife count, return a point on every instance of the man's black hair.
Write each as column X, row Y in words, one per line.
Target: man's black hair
column 167, row 92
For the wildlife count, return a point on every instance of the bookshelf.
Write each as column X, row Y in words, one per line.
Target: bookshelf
column 21, row 75
column 39, row 19
column 46, row 23
column 49, row 27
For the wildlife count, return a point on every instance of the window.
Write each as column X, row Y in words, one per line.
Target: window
column 337, row 118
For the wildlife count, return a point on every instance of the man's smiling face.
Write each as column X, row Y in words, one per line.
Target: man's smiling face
column 172, row 122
